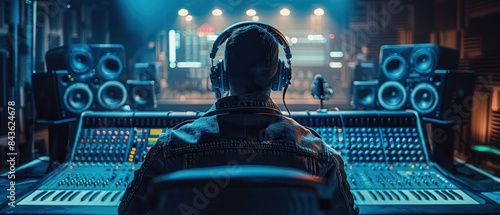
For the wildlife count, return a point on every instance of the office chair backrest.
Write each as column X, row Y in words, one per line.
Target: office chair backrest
column 240, row 189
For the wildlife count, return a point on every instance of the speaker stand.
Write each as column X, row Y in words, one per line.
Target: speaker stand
column 58, row 141
column 443, row 141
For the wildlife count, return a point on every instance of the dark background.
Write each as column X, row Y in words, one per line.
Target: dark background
column 471, row 26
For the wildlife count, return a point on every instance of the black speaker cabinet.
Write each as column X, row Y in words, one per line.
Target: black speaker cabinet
column 59, row 96
column 364, row 93
column 89, row 61
column 142, row 95
column 401, row 65
column 99, row 66
column 148, row 72
column 443, row 95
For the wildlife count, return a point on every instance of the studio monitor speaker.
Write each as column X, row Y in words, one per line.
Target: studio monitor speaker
column 364, row 93
column 58, row 96
column 100, row 67
column 401, row 66
column 443, row 95
column 89, row 61
column 148, row 72
column 142, row 95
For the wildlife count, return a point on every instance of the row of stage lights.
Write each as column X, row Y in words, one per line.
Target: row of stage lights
column 250, row 12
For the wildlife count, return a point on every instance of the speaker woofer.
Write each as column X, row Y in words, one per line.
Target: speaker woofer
column 423, row 61
column 80, row 62
column 392, row 95
column 112, row 95
column 394, row 67
column 110, row 66
column 365, row 96
column 424, row 98
column 78, row 98
column 141, row 95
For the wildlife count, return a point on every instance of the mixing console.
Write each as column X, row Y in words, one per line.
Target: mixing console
column 385, row 157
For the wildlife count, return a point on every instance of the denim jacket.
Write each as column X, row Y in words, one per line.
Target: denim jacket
column 247, row 129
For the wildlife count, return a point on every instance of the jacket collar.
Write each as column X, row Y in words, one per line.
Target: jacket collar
column 245, row 102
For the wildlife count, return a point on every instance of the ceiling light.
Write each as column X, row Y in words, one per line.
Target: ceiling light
column 183, row 12
column 285, row 12
column 251, row 12
column 217, row 12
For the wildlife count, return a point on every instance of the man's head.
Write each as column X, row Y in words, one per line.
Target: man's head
column 365, row 50
column 251, row 60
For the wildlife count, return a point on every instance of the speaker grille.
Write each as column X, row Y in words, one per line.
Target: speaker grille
column 424, row 98
column 142, row 94
column 392, row 95
column 394, row 67
column 364, row 93
column 423, row 60
column 78, row 97
column 112, row 95
column 110, row 66
column 80, row 62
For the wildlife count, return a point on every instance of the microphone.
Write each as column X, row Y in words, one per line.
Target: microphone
column 320, row 89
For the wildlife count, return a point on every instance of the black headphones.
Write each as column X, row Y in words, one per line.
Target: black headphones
column 218, row 74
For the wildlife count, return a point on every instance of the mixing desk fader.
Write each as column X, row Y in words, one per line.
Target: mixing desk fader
column 385, row 155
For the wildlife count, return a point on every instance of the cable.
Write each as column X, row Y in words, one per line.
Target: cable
column 284, row 103
column 341, row 118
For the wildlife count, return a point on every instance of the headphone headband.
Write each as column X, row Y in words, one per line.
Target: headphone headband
column 276, row 33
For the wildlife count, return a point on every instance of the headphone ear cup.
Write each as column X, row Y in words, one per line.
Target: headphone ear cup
column 224, row 83
column 214, row 77
column 282, row 77
column 278, row 77
column 218, row 77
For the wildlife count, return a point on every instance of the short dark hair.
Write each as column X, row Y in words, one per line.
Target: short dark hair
column 251, row 59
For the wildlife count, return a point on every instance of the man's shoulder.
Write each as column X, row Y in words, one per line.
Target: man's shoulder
column 188, row 131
